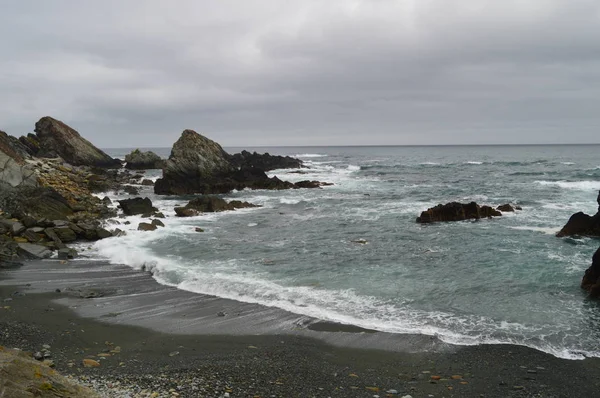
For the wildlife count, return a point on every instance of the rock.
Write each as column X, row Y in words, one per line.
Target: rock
column 28, row 221
column 90, row 363
column 138, row 160
column 38, row 356
column 455, row 211
column 311, row 184
column 144, row 226
column 198, row 229
column 582, row 224
column 57, row 139
column 159, row 215
column 39, row 203
column 17, row 228
column 32, row 236
column 591, row 278
column 54, row 238
column 147, row 182
column 265, row 162
column 65, row 234
column 106, row 200
column 102, row 233
column 158, row 223
column 65, row 254
column 32, row 251
column 118, row 232
column 14, row 170
column 506, row 208
column 20, row 239
column 195, row 165
column 136, row 206
column 131, row 190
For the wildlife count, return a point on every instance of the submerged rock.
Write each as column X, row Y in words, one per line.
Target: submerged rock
column 591, row 278
column 582, row 224
column 455, row 211
column 57, row 139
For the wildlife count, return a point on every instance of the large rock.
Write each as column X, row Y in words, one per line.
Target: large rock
column 582, row 224
column 14, row 170
column 209, row 204
column 265, row 161
column 137, row 206
column 138, row 160
column 591, row 278
column 32, row 251
column 57, row 139
column 455, row 211
column 37, row 202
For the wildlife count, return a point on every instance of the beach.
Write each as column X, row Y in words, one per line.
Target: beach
column 210, row 347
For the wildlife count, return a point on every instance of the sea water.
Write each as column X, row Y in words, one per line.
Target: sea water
column 353, row 253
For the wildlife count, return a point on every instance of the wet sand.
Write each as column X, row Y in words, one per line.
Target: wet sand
column 175, row 342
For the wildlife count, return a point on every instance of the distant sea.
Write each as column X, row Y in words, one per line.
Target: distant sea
column 503, row 280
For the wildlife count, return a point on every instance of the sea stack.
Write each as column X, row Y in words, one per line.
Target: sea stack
column 582, row 224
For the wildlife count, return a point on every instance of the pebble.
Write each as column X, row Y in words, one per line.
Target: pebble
column 393, row 392
column 174, row 353
column 407, row 396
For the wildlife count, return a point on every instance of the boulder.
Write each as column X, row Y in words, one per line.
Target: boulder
column 138, row 160
column 131, row 190
column 591, row 278
column 103, row 233
column 65, row 254
column 144, row 226
column 455, row 211
column 32, row 251
column 137, row 206
column 506, row 208
column 57, row 139
column 31, row 236
column 54, row 238
column 265, row 162
column 581, row 224
column 158, row 223
column 65, row 234
column 147, row 182
column 14, row 170
column 209, row 204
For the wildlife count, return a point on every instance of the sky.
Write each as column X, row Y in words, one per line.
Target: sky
column 255, row 73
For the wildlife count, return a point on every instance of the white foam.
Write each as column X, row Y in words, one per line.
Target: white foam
column 568, row 163
column 352, row 167
column 545, row 230
column 310, row 155
column 473, row 162
column 430, row 164
column 579, row 185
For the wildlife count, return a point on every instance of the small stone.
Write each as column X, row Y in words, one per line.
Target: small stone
column 530, row 371
column 436, row 377
column 48, row 362
column 221, row 313
column 90, row 363
column 46, row 346
column 456, row 377
column 174, row 353
column 393, row 392
column 407, row 396
column 38, row 356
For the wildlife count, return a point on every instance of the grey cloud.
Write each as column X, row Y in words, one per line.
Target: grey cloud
column 134, row 73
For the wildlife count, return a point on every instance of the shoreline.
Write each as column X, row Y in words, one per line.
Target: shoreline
column 178, row 338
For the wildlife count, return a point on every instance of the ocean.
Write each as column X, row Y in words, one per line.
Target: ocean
column 353, row 253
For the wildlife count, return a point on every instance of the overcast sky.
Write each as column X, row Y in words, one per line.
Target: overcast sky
column 137, row 73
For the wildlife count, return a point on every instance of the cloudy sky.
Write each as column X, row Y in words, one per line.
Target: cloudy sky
column 136, row 73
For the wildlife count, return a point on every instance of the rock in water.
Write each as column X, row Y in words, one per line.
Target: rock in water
column 591, row 278
column 582, row 224
column 138, row 160
column 210, row 204
column 506, row 207
column 57, row 139
column 265, row 162
column 455, row 211
column 195, row 165
column 144, row 226
column 137, row 206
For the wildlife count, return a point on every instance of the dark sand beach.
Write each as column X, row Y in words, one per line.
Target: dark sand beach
column 154, row 340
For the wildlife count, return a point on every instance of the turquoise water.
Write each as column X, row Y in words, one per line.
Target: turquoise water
column 506, row 280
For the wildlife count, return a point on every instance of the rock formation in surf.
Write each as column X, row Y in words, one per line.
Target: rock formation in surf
column 591, row 278
column 455, row 211
column 265, row 161
column 138, row 160
column 199, row 165
column 210, row 204
column 582, row 224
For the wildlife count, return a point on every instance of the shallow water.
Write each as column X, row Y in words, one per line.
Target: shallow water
column 506, row 280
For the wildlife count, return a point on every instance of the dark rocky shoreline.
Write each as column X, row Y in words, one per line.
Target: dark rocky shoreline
column 140, row 361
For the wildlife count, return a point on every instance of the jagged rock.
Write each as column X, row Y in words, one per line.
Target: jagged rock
column 591, row 278
column 14, row 170
column 32, row 251
column 31, row 143
column 137, row 206
column 265, row 162
column 31, row 236
column 310, row 184
column 506, row 208
column 54, row 238
column 582, row 224
column 106, row 200
column 65, row 234
column 57, row 139
column 144, row 226
column 65, row 254
column 455, row 211
column 138, row 160
column 36, row 202
column 158, row 223
column 17, row 228
column 209, row 204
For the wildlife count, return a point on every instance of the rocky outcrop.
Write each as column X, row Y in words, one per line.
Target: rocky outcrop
column 210, row 204
column 21, row 376
column 591, row 278
column 199, row 165
column 56, row 139
column 14, row 170
column 134, row 206
column 265, row 162
column 455, row 211
column 138, row 160
column 581, row 224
